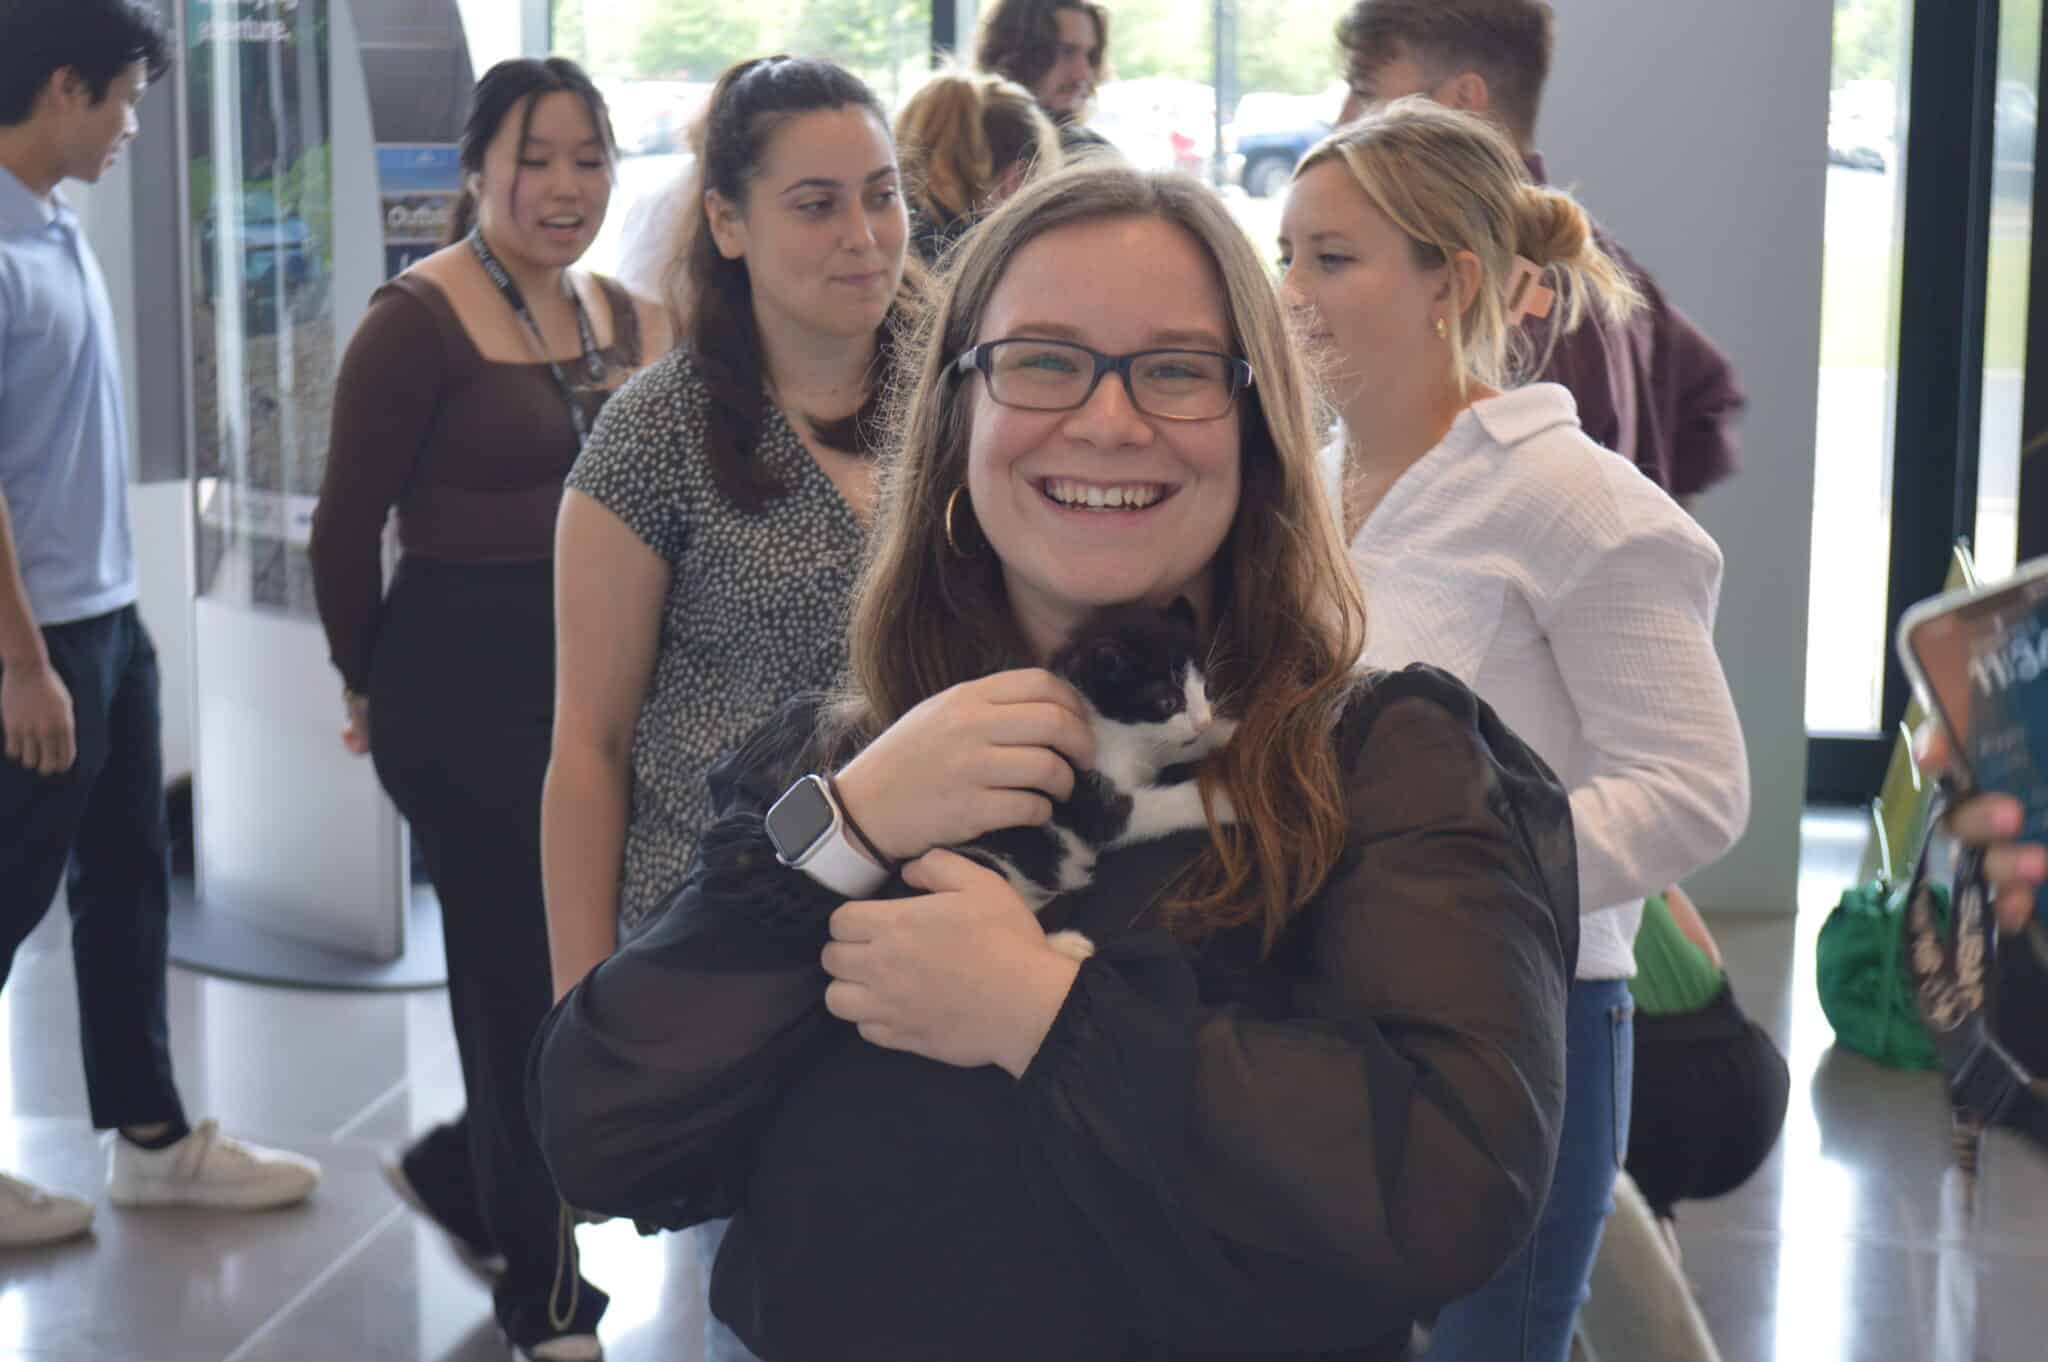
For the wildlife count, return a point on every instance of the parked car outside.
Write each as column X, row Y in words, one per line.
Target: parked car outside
column 1269, row 136
column 1861, row 125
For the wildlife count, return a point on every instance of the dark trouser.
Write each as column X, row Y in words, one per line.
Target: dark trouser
column 100, row 827
column 461, row 710
column 1710, row 1096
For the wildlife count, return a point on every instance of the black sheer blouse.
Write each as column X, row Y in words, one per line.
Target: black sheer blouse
column 1213, row 1155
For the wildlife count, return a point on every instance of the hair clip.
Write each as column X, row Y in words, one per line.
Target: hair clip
column 1527, row 295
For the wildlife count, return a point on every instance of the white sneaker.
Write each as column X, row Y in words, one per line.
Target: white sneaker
column 207, row 1168
column 30, row 1215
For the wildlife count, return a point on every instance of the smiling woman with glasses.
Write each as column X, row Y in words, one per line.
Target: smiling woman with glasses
column 1050, row 375
column 1304, row 1092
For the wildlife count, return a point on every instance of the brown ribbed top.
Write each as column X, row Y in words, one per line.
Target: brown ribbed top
column 470, row 451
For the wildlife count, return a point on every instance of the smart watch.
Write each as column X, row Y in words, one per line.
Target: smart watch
column 809, row 834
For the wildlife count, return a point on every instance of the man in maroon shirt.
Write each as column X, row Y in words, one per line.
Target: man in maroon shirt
column 1652, row 388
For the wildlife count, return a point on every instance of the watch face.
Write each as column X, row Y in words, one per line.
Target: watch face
column 799, row 819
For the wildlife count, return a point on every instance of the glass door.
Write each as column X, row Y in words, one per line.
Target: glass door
column 1919, row 358
column 1853, row 448
column 2015, row 151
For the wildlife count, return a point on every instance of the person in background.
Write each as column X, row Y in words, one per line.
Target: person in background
column 81, row 779
column 1501, row 544
column 1056, row 49
column 462, row 401
column 712, row 530
column 1648, row 385
column 968, row 141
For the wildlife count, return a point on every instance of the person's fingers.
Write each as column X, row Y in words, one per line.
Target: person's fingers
column 1040, row 723
column 883, row 1035
column 1986, row 818
column 1931, row 750
column 2014, row 906
column 1014, row 809
column 29, row 751
column 2016, row 863
column 942, row 872
column 1027, row 685
column 846, row 960
column 65, row 748
column 849, row 1001
column 859, row 920
column 1029, row 768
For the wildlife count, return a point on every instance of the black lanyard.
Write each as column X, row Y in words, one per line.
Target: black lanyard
column 593, row 362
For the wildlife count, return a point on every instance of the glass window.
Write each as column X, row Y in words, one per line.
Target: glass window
column 656, row 60
column 1280, row 93
column 1846, row 639
column 2015, row 114
column 261, row 236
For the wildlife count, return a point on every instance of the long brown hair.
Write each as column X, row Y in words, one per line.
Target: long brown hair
column 960, row 133
column 749, row 104
column 1452, row 183
column 1289, row 615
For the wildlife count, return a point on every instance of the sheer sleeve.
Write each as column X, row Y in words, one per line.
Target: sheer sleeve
column 652, row 1078
column 1384, row 1142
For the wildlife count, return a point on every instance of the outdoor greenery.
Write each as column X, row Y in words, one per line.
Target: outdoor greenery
column 1283, row 45
column 1868, row 39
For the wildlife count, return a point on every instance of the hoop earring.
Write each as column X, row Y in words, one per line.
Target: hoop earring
column 951, row 502
column 1443, row 329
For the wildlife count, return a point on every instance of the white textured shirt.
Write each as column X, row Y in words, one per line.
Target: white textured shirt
column 1576, row 598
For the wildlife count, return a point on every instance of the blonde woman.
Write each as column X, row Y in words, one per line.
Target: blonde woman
column 1305, row 1092
column 1502, row 545
column 968, row 142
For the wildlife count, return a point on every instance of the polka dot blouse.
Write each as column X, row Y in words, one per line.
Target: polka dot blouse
column 755, row 612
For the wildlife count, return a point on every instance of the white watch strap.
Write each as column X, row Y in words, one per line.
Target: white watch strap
column 838, row 864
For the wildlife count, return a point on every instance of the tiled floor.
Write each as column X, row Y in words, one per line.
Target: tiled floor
column 1849, row 1246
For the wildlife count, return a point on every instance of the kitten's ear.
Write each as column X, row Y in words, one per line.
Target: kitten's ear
column 1182, row 612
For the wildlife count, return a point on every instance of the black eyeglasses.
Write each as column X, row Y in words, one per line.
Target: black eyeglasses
column 1047, row 375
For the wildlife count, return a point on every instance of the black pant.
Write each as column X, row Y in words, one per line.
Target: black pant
column 100, row 827
column 461, row 712
column 1710, row 1095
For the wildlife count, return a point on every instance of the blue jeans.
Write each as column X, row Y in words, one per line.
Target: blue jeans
column 1526, row 1313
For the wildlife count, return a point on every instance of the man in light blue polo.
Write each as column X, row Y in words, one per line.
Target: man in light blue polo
column 81, row 781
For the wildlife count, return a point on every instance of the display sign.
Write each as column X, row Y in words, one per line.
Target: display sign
column 419, row 183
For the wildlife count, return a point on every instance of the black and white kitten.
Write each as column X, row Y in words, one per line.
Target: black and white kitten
column 1140, row 671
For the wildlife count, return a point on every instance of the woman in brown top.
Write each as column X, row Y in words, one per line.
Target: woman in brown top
column 462, row 402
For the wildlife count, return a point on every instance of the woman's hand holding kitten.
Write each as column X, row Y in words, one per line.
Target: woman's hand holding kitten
column 982, row 755
column 961, row 974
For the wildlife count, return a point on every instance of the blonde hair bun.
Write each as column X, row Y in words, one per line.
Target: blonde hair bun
column 1550, row 228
